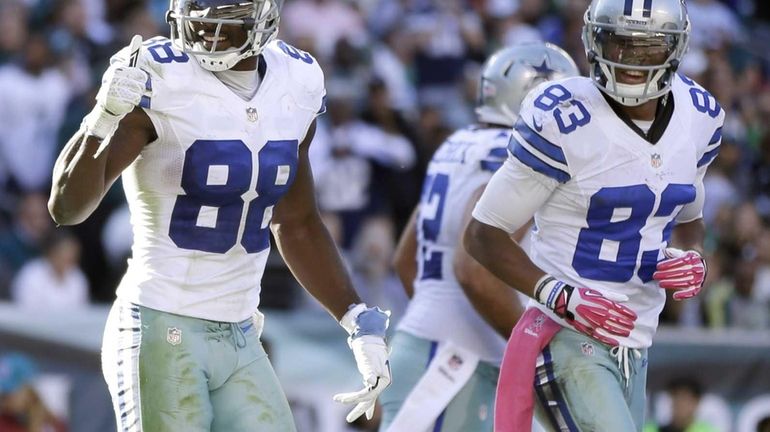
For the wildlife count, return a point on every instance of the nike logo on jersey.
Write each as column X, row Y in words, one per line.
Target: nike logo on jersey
column 538, row 127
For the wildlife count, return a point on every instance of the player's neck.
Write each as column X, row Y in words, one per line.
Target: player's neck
column 247, row 64
column 644, row 112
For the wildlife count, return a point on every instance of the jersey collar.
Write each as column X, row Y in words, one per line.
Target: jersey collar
column 662, row 117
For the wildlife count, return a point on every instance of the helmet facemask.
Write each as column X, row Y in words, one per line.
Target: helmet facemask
column 634, row 63
column 221, row 33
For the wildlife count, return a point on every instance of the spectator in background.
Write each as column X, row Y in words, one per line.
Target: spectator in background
column 21, row 409
column 13, row 17
column 391, row 59
column 395, row 186
column 340, row 21
column 344, row 164
column 685, row 396
column 714, row 25
column 22, row 241
column 35, row 97
column 53, row 281
column 446, row 36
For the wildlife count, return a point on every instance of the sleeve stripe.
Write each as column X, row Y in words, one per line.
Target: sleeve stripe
column 530, row 160
column 491, row 165
column 514, row 141
column 708, row 157
column 716, row 137
column 323, row 106
column 498, row 152
column 538, row 142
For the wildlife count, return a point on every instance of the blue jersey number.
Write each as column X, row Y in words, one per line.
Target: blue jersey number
column 215, row 175
column 617, row 215
column 295, row 53
column 702, row 100
column 431, row 212
column 569, row 115
column 164, row 52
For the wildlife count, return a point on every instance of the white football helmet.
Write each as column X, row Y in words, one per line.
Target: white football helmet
column 510, row 73
column 634, row 47
column 189, row 19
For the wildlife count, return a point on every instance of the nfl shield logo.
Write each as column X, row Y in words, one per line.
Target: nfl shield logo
column 251, row 114
column 174, row 336
column 655, row 160
column 587, row 348
column 455, row 362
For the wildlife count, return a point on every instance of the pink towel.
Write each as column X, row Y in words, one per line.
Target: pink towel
column 515, row 401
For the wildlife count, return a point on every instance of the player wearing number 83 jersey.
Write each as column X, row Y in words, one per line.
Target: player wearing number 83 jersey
column 605, row 197
column 611, row 167
column 610, row 198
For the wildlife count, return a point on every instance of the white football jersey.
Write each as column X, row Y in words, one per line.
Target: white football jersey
column 612, row 196
column 201, row 196
column 439, row 309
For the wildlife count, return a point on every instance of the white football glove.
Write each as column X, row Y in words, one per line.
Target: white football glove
column 371, row 354
column 122, row 89
column 366, row 327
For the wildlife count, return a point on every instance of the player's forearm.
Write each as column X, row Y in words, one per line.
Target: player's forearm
column 405, row 256
column 689, row 236
column 314, row 260
column 497, row 252
column 495, row 301
column 78, row 181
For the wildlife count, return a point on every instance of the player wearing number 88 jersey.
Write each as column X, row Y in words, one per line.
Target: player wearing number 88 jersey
column 210, row 129
column 611, row 167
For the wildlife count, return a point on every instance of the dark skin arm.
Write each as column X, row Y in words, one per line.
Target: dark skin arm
column 80, row 181
column 405, row 256
column 689, row 236
column 502, row 256
column 305, row 243
column 495, row 301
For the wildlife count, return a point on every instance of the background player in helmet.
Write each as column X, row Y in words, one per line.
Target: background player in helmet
column 211, row 130
column 612, row 169
column 445, row 356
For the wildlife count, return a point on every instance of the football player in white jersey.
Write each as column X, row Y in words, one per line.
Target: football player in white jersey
column 446, row 358
column 611, row 167
column 210, row 129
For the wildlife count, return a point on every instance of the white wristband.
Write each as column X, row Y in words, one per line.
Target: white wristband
column 348, row 321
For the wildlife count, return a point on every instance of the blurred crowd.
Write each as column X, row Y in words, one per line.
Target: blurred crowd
column 400, row 76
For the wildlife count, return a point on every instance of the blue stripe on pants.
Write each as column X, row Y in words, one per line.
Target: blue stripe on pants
column 551, row 397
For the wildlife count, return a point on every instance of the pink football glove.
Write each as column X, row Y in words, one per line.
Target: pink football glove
column 682, row 271
column 587, row 310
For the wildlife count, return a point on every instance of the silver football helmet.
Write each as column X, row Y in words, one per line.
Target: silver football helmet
column 635, row 46
column 197, row 29
column 510, row 73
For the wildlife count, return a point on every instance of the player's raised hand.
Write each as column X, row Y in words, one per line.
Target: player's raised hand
column 588, row 311
column 366, row 327
column 682, row 271
column 122, row 89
